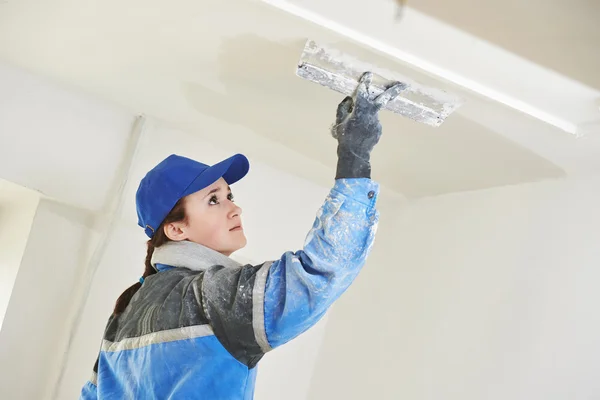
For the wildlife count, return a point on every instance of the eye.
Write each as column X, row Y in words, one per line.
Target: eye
column 213, row 200
column 230, row 197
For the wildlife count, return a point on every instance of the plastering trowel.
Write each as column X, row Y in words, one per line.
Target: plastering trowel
column 340, row 72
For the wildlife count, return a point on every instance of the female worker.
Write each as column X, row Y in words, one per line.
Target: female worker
column 198, row 323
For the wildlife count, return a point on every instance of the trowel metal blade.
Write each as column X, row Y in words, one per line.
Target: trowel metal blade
column 340, row 72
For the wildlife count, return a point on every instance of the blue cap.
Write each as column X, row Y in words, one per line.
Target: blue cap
column 176, row 177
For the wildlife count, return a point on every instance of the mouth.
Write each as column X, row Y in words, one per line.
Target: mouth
column 236, row 228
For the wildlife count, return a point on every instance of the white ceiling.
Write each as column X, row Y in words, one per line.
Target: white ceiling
column 234, row 61
column 561, row 35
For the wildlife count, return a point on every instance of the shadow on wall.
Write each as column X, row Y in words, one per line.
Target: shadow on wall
column 263, row 94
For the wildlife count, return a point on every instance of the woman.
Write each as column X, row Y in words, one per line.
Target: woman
column 198, row 323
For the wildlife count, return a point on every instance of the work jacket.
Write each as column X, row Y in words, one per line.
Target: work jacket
column 198, row 328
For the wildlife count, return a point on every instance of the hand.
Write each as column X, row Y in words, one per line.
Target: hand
column 358, row 129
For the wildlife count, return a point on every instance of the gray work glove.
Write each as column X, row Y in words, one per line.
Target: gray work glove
column 357, row 128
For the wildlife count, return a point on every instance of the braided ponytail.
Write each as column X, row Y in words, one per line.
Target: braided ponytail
column 158, row 239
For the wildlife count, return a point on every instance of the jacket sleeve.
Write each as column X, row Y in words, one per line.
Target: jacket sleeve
column 89, row 390
column 256, row 308
column 301, row 286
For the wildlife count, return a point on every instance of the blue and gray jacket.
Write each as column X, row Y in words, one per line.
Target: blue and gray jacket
column 198, row 328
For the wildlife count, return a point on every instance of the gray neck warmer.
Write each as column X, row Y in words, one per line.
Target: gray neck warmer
column 190, row 255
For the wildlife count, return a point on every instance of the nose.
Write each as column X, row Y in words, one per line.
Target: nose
column 235, row 211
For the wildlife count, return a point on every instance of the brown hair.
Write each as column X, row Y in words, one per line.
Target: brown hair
column 158, row 239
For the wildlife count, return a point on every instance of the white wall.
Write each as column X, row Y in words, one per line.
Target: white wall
column 278, row 211
column 17, row 209
column 60, row 142
column 485, row 295
column 34, row 324
column 69, row 147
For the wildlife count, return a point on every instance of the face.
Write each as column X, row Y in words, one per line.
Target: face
column 213, row 220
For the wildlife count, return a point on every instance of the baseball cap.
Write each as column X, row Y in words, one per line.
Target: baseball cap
column 176, row 177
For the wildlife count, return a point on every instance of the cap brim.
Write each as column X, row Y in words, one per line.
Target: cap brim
column 231, row 169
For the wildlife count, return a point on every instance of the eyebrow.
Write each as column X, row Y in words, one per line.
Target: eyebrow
column 215, row 190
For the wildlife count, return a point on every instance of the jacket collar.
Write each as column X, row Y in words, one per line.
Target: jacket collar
column 186, row 254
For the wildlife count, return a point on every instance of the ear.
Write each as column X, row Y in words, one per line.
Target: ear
column 175, row 231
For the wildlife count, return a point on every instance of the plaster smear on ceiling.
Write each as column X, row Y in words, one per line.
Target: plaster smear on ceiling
column 413, row 159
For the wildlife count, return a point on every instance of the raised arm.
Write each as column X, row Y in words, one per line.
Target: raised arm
column 262, row 307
